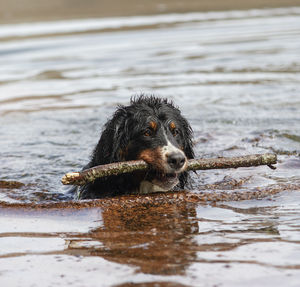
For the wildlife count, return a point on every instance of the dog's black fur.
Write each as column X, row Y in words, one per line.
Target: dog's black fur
column 152, row 129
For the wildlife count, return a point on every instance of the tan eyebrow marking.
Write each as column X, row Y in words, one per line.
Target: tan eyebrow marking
column 172, row 126
column 153, row 125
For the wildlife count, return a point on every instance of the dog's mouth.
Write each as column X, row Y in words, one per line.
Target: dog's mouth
column 165, row 181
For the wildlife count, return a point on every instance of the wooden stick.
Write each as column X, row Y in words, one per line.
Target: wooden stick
column 89, row 175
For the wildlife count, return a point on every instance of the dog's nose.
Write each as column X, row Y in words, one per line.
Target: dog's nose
column 176, row 160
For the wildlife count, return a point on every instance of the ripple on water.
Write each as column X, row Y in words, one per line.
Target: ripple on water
column 235, row 76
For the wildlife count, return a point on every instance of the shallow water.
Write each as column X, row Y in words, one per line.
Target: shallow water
column 235, row 75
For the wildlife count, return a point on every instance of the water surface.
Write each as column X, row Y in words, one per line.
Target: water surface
column 235, row 75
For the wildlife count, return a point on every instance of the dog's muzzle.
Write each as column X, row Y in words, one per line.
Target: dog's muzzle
column 176, row 160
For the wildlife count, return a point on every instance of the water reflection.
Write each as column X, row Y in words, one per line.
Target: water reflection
column 156, row 238
column 234, row 75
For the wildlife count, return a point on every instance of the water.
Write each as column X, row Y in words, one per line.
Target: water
column 235, row 75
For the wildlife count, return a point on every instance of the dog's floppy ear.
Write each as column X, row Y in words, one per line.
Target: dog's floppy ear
column 113, row 139
column 188, row 150
column 188, row 139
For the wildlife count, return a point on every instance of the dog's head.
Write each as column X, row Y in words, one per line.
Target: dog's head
column 154, row 130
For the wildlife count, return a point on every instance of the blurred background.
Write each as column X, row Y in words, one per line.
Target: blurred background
column 41, row 10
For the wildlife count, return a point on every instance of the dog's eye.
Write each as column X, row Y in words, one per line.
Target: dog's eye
column 174, row 132
column 148, row 132
column 173, row 129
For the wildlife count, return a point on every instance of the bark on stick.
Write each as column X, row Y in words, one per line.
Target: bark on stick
column 89, row 175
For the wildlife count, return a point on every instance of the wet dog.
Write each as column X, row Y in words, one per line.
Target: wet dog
column 152, row 129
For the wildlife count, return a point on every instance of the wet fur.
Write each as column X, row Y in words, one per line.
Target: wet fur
column 123, row 139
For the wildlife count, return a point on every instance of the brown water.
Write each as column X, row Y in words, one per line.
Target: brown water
column 235, row 76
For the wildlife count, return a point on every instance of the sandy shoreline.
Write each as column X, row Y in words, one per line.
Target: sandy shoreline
column 12, row 12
